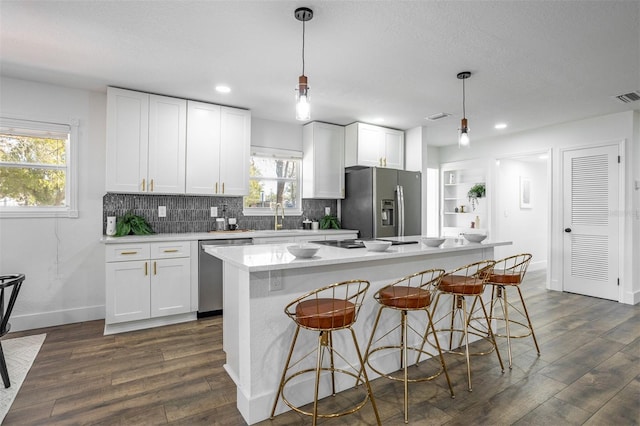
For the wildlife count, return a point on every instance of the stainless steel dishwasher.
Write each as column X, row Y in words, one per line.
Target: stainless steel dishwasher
column 210, row 276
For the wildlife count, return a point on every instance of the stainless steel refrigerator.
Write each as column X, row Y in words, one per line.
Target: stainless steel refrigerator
column 382, row 202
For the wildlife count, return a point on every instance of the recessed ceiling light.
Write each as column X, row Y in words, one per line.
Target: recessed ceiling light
column 500, row 126
column 223, row 89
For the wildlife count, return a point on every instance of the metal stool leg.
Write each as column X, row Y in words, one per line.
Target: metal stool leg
column 3, row 369
column 284, row 371
column 491, row 335
column 524, row 306
column 366, row 377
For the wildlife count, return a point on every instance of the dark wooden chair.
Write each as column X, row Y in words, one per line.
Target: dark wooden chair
column 8, row 283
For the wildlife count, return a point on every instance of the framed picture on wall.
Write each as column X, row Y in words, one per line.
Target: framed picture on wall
column 525, row 193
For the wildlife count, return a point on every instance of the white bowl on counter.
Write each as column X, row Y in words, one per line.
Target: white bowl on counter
column 474, row 238
column 376, row 245
column 303, row 251
column 433, row 241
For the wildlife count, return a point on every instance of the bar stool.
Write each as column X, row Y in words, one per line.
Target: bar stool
column 509, row 273
column 466, row 282
column 411, row 293
column 325, row 310
column 7, row 282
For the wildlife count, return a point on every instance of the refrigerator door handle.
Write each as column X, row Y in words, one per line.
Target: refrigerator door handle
column 400, row 192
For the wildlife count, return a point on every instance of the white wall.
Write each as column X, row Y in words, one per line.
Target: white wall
column 583, row 133
column 527, row 228
column 62, row 258
column 274, row 134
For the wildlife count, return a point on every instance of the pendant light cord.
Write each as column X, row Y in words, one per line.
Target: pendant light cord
column 303, row 22
column 464, row 114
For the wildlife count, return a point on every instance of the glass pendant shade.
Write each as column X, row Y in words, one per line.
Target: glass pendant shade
column 463, row 133
column 303, row 108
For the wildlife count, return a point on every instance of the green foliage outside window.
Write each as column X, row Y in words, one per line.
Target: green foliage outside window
column 32, row 171
column 273, row 180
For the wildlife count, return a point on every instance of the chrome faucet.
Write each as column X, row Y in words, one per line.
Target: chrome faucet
column 277, row 225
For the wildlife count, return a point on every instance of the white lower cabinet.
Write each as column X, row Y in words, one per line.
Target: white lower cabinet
column 147, row 280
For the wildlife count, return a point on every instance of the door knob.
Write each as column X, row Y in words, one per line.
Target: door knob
column 567, row 229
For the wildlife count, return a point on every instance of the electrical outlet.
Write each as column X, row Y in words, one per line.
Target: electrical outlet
column 327, row 211
column 275, row 281
column 162, row 211
column 214, row 212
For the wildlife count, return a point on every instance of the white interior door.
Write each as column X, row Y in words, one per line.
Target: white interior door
column 591, row 195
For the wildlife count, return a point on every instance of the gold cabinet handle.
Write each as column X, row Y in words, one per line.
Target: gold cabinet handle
column 223, row 187
column 216, row 187
column 380, row 161
column 385, row 163
column 155, row 268
column 151, row 186
column 144, row 185
column 129, row 252
column 146, row 269
column 170, row 250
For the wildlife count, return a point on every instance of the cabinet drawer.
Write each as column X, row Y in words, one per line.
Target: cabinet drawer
column 125, row 252
column 170, row 249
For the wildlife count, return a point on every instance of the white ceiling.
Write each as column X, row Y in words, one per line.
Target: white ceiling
column 534, row 63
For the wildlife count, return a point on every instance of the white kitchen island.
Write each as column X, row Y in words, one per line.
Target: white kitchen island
column 259, row 281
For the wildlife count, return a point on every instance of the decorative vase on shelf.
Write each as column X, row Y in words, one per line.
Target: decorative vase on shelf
column 477, row 222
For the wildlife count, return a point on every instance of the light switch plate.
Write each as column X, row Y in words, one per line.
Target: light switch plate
column 162, row 211
column 214, row 212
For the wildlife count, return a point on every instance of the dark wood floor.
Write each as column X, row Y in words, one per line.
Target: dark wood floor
column 588, row 373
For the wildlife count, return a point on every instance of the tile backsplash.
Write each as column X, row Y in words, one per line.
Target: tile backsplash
column 190, row 213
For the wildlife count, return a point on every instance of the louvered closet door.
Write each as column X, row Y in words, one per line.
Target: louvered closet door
column 591, row 233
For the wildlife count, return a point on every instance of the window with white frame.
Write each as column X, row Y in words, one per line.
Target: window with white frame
column 274, row 178
column 37, row 171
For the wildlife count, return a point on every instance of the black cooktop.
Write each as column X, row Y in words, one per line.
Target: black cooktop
column 349, row 244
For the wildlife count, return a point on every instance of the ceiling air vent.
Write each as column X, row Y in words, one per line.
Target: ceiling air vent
column 629, row 97
column 438, row 116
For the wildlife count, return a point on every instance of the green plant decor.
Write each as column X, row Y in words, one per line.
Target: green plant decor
column 329, row 222
column 132, row 224
column 477, row 191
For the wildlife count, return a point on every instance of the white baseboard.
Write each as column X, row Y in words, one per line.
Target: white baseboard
column 148, row 323
column 53, row 318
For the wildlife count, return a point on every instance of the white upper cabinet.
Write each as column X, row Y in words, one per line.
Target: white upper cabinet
column 127, row 139
column 322, row 161
column 235, row 144
column 167, row 144
column 203, row 151
column 146, row 136
column 374, row 146
column 218, row 141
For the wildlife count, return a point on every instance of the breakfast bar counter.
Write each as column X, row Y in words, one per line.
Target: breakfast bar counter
column 260, row 280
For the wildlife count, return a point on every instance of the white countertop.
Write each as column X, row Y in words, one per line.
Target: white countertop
column 270, row 257
column 224, row 235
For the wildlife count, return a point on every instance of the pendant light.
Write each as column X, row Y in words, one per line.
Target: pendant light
column 303, row 108
column 463, row 132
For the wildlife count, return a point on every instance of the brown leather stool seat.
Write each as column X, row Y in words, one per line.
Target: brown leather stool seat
column 325, row 314
column 461, row 283
column 324, row 311
column 504, row 277
column 404, row 297
column 411, row 293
